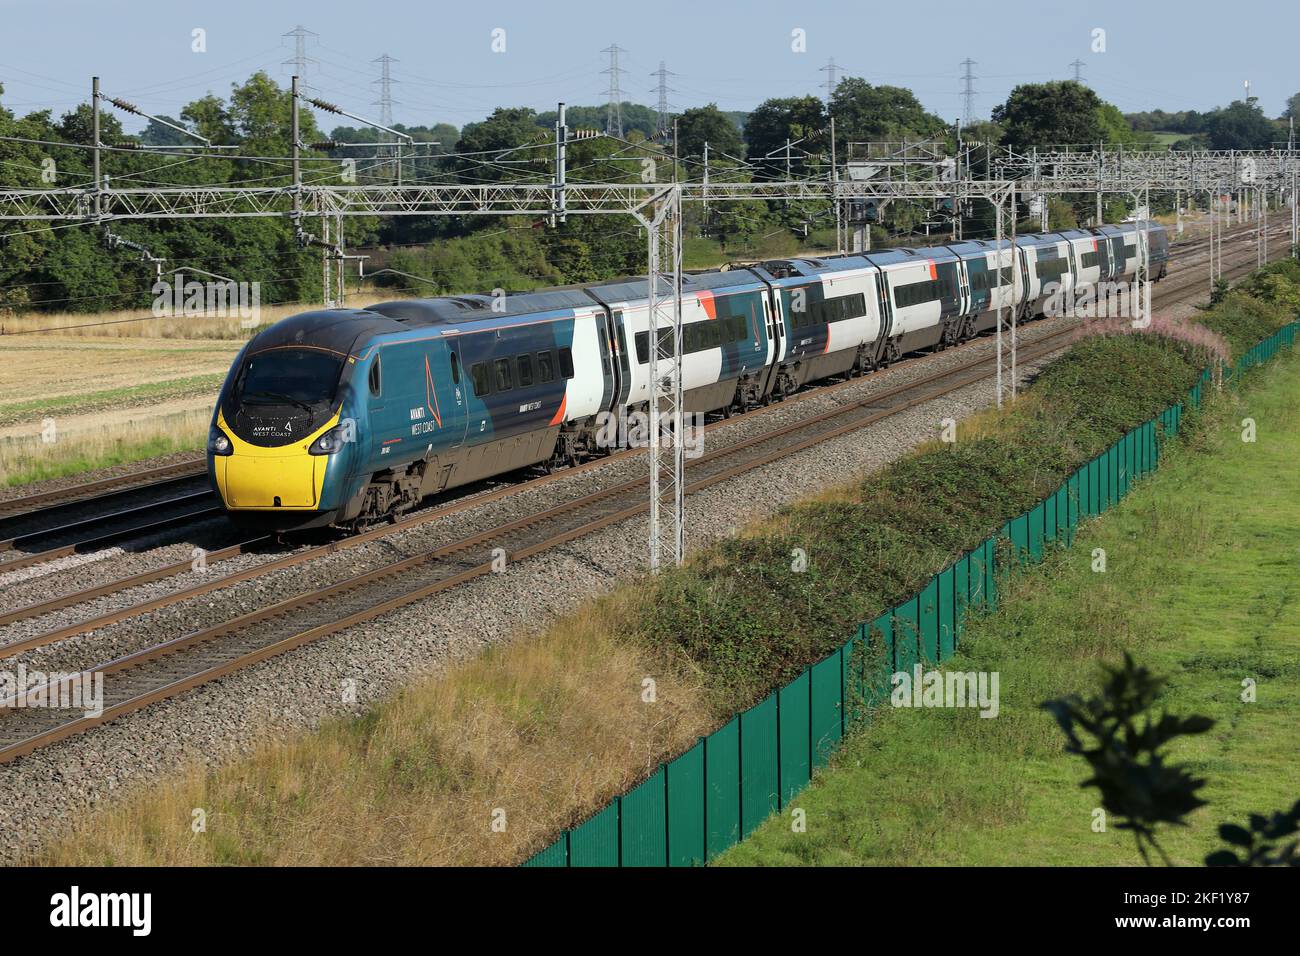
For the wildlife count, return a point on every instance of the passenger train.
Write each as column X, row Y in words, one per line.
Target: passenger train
column 346, row 417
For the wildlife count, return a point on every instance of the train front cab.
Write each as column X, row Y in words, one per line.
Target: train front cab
column 280, row 443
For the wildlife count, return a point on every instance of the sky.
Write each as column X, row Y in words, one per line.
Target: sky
column 1137, row 55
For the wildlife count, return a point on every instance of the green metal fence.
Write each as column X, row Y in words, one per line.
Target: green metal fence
column 715, row 794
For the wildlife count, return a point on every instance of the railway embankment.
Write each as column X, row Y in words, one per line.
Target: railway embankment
column 1193, row 574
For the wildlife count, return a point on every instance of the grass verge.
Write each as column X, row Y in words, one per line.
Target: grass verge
column 28, row 458
column 422, row 778
column 1201, row 583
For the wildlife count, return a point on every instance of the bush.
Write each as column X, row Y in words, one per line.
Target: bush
column 750, row 621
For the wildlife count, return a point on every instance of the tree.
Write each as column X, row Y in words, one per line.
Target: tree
column 707, row 124
column 635, row 117
column 866, row 113
column 209, row 117
column 1124, row 745
column 1239, row 126
column 157, row 134
column 776, row 120
column 983, row 132
column 507, row 128
column 1050, row 114
column 1292, row 111
column 261, row 114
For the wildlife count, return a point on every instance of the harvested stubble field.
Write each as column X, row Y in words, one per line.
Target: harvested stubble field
column 109, row 400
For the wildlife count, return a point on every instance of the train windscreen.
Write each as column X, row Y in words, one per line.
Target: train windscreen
column 304, row 377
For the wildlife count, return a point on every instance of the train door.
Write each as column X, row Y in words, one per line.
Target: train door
column 1025, row 285
column 773, row 324
column 886, row 304
column 965, row 300
column 613, row 373
column 445, row 412
column 1100, row 244
column 608, row 390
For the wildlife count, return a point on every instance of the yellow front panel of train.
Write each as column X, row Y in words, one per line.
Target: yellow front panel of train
column 254, row 476
column 255, row 482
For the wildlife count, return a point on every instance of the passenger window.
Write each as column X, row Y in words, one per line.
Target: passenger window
column 643, row 347
column 503, row 375
column 566, row 362
column 478, row 372
column 525, row 371
column 545, row 366
column 455, row 369
column 375, row 381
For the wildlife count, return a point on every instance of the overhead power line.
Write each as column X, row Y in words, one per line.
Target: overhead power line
column 300, row 59
column 614, row 111
column 662, row 124
column 832, row 78
column 968, row 92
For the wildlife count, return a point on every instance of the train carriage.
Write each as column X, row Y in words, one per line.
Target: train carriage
column 349, row 416
column 828, row 317
column 986, row 283
column 923, row 296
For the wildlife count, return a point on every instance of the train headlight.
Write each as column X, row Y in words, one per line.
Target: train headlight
column 218, row 443
column 330, row 442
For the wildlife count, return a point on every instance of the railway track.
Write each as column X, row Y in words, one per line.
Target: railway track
column 90, row 491
column 135, row 680
column 32, row 533
column 1169, row 294
column 153, row 673
column 83, row 518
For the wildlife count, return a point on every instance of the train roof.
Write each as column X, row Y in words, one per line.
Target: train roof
column 968, row 247
column 814, row 265
column 638, row 289
column 454, row 310
column 339, row 330
column 893, row 256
